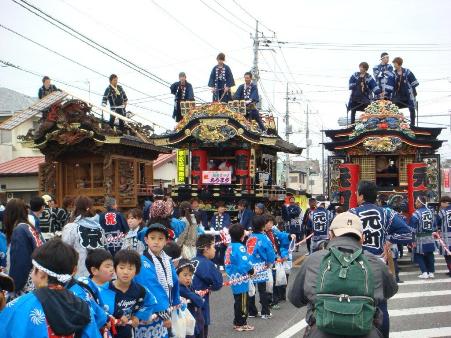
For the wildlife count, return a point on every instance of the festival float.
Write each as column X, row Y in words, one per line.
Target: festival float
column 85, row 156
column 383, row 148
column 222, row 156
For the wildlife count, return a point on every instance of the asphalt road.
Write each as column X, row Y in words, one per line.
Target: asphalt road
column 421, row 309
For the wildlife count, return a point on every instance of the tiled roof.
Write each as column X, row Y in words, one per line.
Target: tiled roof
column 162, row 159
column 21, row 166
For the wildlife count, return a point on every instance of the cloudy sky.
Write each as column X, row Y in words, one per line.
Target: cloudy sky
column 313, row 45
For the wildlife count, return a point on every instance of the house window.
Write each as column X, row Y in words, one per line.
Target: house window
column 294, row 179
column 5, row 136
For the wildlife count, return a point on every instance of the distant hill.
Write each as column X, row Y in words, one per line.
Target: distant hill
column 12, row 101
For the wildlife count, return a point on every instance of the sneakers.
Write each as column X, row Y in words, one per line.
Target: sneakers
column 424, row 275
column 242, row 328
column 253, row 316
column 266, row 316
column 275, row 307
column 430, row 275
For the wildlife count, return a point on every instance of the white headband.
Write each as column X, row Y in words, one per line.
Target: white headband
column 63, row 278
column 419, row 200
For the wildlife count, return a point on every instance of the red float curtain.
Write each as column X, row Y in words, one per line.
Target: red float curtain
column 416, row 182
column 348, row 182
column 198, row 164
column 242, row 157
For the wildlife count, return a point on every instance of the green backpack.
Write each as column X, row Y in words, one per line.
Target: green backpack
column 345, row 294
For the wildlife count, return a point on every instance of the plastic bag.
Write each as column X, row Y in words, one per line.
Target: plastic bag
column 178, row 324
column 281, row 277
column 190, row 323
column 287, row 265
column 270, row 282
column 251, row 291
column 188, row 252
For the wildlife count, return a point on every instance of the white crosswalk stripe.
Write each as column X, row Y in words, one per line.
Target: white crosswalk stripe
column 436, row 332
column 403, row 295
column 413, row 273
column 419, row 300
column 425, row 281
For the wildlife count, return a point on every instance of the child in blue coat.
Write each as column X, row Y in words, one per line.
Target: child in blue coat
column 125, row 299
column 51, row 310
column 206, row 275
column 238, row 264
column 220, row 221
column 185, row 272
column 262, row 252
column 158, row 274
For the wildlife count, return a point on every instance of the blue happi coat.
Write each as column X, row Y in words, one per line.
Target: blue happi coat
column 115, row 227
column 245, row 218
column 283, row 239
column 92, row 288
column 219, row 222
column 444, row 225
column 98, row 315
column 238, row 264
column 3, row 249
column 319, row 222
column 195, row 306
column 147, row 277
column 221, row 78
column 404, row 88
column 187, row 95
column 247, row 93
column 291, row 215
column 385, row 78
column 379, row 224
column 24, row 317
column 422, row 224
column 136, row 301
column 357, row 95
column 260, row 248
column 206, row 276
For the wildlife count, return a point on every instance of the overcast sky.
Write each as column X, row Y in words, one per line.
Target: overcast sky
column 328, row 39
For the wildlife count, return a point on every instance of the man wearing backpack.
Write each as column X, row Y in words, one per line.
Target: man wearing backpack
column 342, row 285
column 382, row 227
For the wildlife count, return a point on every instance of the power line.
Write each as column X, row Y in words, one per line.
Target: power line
column 364, row 44
column 67, row 29
column 9, row 64
column 188, row 29
column 235, row 16
column 222, row 16
column 76, row 62
column 253, row 17
column 94, row 44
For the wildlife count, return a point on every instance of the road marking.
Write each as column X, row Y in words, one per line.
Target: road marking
column 393, row 313
column 419, row 311
column 418, row 272
column 293, row 330
column 436, row 332
column 402, row 295
column 425, row 281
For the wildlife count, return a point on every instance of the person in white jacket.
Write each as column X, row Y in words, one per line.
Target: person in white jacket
column 84, row 232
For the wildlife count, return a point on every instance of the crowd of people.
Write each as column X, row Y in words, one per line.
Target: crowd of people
column 150, row 272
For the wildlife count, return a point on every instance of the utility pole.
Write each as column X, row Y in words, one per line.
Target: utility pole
column 255, row 72
column 323, row 161
column 307, row 142
column 287, row 137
